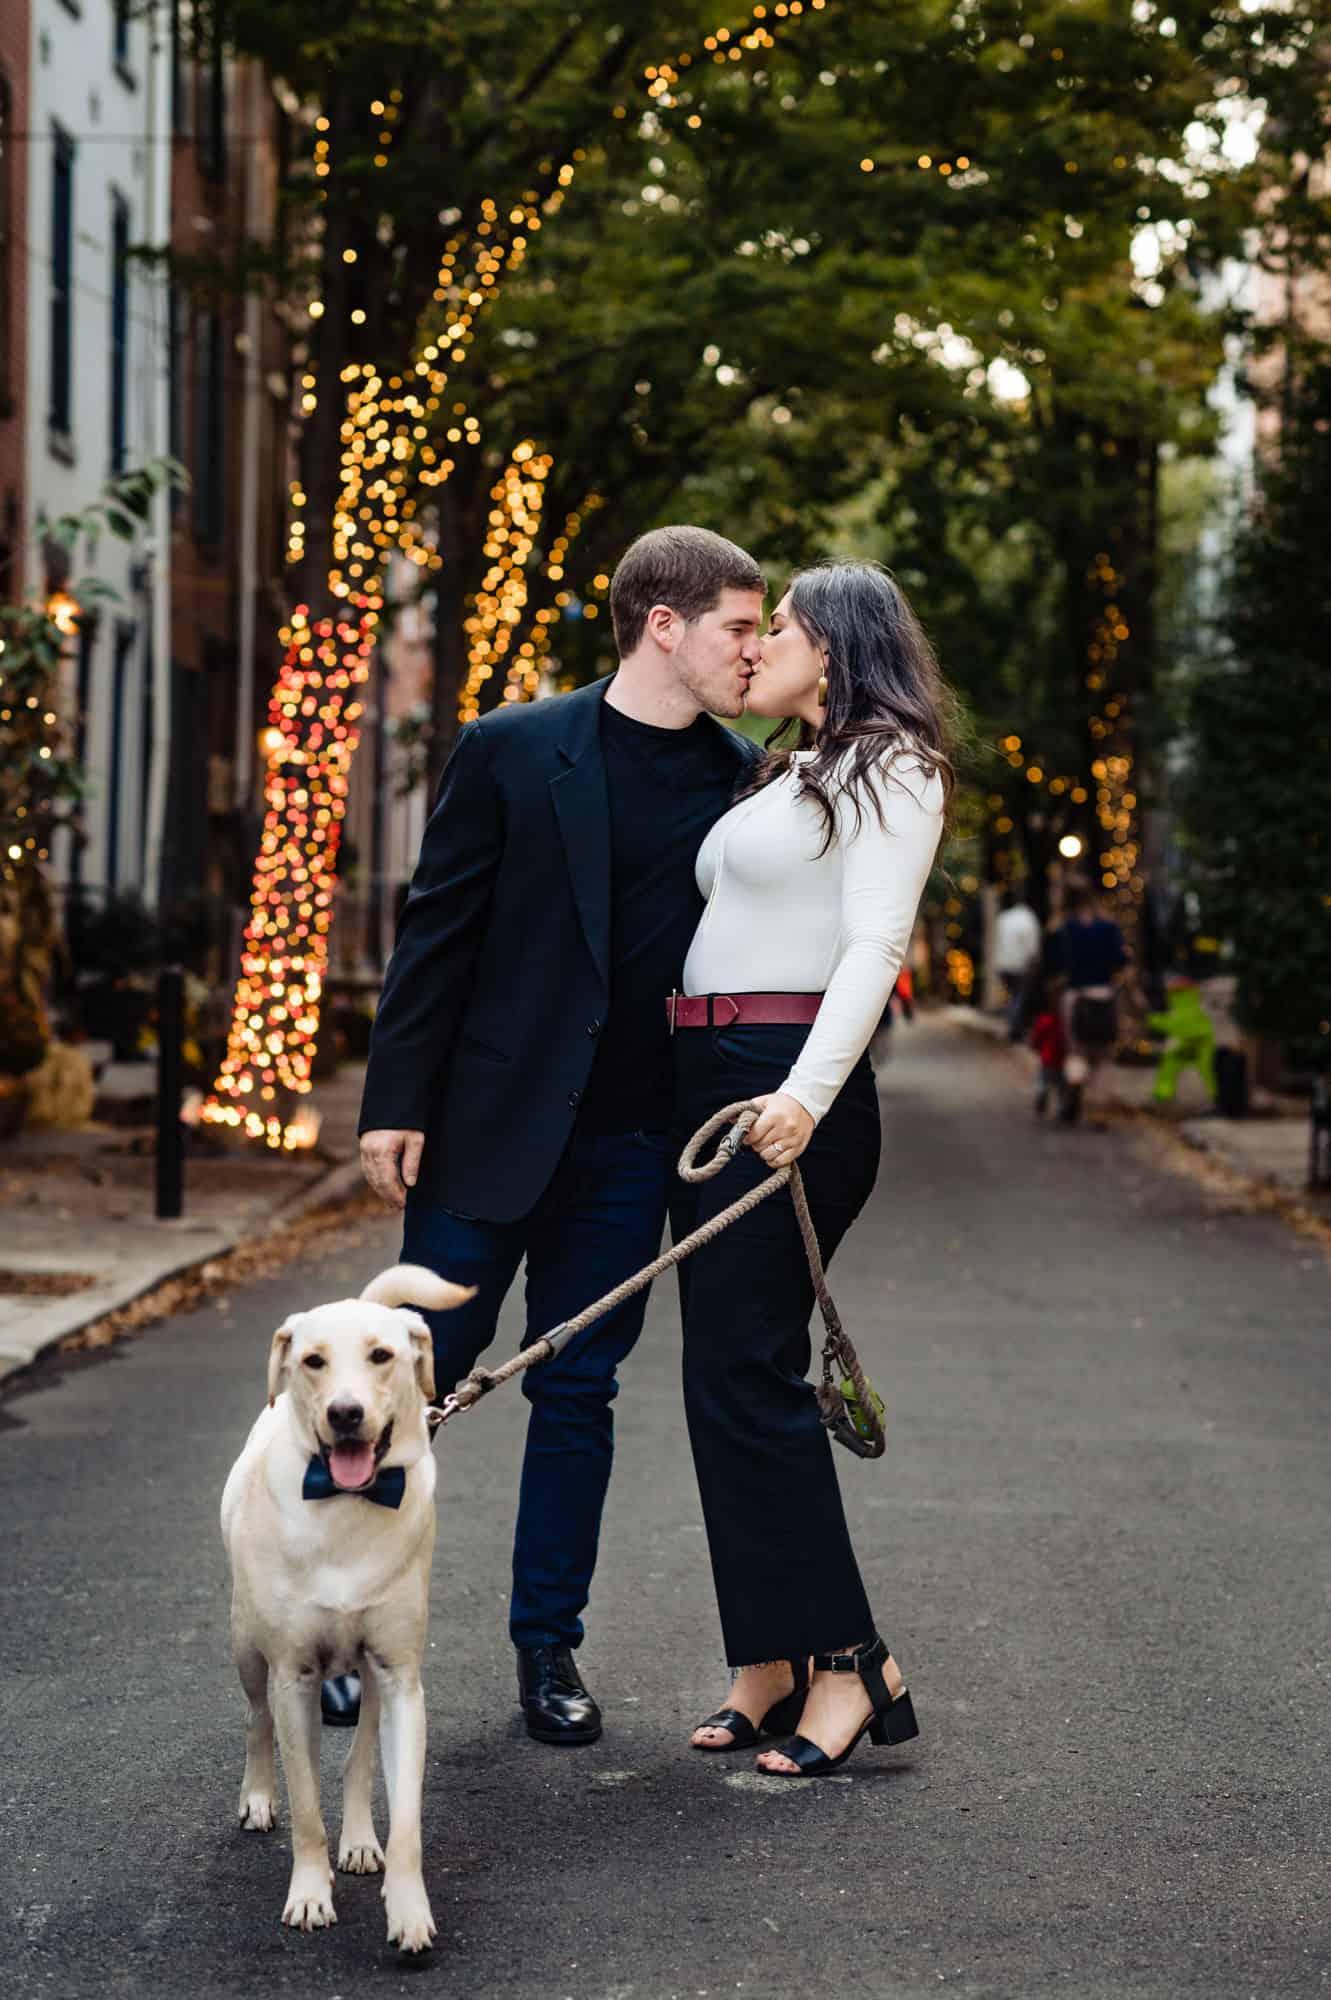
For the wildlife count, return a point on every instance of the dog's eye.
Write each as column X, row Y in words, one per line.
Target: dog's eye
column 381, row 1354
column 314, row 1361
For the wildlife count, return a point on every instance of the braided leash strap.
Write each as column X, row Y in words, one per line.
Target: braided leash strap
column 837, row 1346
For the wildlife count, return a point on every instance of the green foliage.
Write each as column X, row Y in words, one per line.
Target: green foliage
column 41, row 785
column 1257, row 803
column 865, row 324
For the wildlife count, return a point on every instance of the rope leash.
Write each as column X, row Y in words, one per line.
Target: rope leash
column 865, row 1437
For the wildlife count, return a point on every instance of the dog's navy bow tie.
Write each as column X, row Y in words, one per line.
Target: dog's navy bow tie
column 385, row 1490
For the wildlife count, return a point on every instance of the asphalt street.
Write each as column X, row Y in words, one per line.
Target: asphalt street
column 1100, row 1545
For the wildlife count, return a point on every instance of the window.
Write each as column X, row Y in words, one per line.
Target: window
column 208, row 468
column 120, row 34
column 181, row 39
column 147, row 724
column 62, row 284
column 175, row 417
column 6, row 249
column 212, row 111
column 119, row 327
column 9, row 542
column 124, row 646
column 88, row 630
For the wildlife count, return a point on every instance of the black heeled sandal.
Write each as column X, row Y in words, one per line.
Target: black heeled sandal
column 892, row 1721
column 782, row 1715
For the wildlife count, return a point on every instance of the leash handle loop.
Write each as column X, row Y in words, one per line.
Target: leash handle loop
column 741, row 1119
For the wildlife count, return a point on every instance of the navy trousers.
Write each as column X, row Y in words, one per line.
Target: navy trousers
column 787, row 1583
column 599, row 1220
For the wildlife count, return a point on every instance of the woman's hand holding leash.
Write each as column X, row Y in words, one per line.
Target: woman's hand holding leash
column 782, row 1130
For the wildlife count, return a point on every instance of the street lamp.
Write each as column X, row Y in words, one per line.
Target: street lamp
column 1070, row 846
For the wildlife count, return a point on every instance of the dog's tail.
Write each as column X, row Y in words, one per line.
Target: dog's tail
column 413, row 1285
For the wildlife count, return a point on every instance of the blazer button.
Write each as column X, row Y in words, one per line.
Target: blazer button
column 593, row 1027
column 573, row 1096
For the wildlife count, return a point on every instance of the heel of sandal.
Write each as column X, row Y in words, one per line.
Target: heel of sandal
column 896, row 1723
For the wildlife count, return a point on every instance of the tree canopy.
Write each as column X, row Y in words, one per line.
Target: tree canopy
column 920, row 277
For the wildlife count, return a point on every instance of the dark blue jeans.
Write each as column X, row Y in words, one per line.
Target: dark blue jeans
column 600, row 1219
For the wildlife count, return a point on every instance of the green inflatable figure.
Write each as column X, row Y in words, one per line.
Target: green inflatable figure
column 1190, row 1044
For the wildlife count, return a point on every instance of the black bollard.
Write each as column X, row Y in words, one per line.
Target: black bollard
column 170, row 1131
column 1319, row 1135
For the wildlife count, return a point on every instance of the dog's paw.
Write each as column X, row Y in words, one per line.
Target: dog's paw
column 309, row 1901
column 360, row 1857
column 257, row 1813
column 410, row 1924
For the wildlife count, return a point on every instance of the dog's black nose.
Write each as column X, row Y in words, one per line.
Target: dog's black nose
column 345, row 1415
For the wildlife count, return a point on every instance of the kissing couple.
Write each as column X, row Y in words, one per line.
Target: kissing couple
column 625, row 916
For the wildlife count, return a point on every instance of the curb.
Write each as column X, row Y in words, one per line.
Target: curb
column 45, row 1327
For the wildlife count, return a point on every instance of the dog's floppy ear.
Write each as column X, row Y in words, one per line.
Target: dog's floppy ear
column 422, row 1353
column 279, row 1354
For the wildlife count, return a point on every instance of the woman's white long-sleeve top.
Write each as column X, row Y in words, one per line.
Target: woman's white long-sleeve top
column 781, row 917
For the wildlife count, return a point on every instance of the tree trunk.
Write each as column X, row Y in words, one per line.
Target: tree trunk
column 450, row 641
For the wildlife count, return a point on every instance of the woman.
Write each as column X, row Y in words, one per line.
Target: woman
column 813, row 880
column 1091, row 957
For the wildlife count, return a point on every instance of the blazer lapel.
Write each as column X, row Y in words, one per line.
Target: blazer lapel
column 582, row 809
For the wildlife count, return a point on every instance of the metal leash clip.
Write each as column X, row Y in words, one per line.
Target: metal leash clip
column 438, row 1414
column 736, row 1136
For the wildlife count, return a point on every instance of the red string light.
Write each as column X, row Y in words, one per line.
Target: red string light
column 313, row 729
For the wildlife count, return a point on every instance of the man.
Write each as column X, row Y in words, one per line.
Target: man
column 1090, row 955
column 518, row 1094
column 1017, row 938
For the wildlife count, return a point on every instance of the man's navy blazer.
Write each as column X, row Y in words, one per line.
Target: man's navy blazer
column 500, row 978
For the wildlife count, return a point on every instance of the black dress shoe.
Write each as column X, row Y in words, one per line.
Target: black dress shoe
column 339, row 1701
column 557, row 1706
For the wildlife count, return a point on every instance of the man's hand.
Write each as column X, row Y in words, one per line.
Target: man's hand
column 783, row 1129
column 390, row 1162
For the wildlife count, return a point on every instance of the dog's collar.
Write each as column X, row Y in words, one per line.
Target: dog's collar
column 386, row 1489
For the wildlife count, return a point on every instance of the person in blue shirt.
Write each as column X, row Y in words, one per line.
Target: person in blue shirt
column 1090, row 957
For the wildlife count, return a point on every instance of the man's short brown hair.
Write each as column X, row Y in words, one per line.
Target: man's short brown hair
column 686, row 568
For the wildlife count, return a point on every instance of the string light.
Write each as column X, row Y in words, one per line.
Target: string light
column 39, row 786
column 515, row 519
column 1119, row 852
column 308, row 746
column 384, row 442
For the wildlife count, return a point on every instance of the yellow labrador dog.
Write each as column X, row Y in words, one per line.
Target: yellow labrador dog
column 328, row 1519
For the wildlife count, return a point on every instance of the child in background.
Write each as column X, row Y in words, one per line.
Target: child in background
column 1050, row 1044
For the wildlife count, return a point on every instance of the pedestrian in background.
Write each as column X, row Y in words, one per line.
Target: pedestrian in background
column 902, row 996
column 1091, row 957
column 1016, row 948
column 1051, row 1046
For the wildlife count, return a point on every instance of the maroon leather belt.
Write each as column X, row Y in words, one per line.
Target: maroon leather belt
column 741, row 1010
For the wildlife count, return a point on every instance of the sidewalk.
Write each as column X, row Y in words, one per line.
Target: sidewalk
column 78, row 1236
column 1269, row 1148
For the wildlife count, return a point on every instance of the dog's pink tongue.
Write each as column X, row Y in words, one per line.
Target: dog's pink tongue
column 352, row 1465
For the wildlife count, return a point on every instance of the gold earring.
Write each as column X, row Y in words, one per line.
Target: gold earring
column 822, row 690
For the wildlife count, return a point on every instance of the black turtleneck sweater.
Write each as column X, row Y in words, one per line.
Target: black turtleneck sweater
column 667, row 788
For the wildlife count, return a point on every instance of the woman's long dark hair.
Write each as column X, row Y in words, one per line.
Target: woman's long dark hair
column 885, row 693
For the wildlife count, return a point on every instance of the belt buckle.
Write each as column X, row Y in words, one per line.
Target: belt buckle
column 674, row 1007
